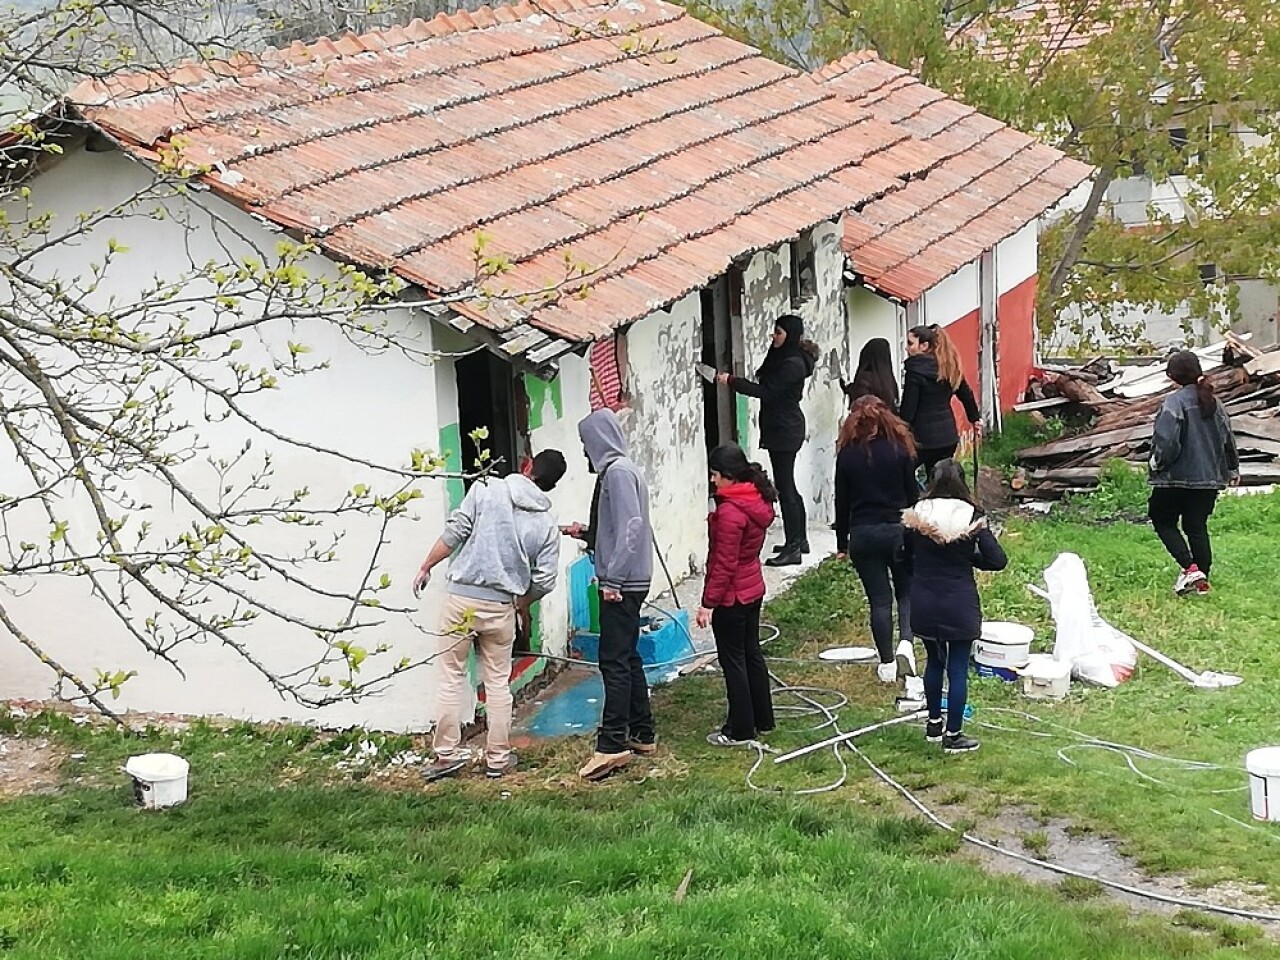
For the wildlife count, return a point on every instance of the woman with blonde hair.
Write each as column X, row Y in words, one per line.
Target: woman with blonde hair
column 875, row 482
column 933, row 376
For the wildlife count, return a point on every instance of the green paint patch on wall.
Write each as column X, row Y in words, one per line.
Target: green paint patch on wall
column 451, row 450
column 539, row 391
column 744, row 420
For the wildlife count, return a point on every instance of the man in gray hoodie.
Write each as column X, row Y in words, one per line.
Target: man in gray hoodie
column 620, row 537
column 506, row 551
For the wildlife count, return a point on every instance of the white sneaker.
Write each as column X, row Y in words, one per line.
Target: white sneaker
column 906, row 658
column 888, row 672
column 914, row 688
column 1188, row 579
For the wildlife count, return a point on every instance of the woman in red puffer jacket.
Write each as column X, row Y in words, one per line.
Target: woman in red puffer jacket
column 734, row 591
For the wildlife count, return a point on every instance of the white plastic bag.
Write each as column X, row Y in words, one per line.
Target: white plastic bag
column 1097, row 651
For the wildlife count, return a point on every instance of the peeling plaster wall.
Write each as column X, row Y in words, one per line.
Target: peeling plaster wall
column 767, row 295
column 665, row 427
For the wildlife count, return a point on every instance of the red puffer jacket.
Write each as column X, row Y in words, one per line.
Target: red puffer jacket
column 737, row 531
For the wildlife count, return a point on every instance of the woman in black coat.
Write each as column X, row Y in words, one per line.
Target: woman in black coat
column 779, row 385
column 946, row 540
column 933, row 376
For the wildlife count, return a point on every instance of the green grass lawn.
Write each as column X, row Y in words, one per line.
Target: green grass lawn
column 276, row 854
column 1169, row 827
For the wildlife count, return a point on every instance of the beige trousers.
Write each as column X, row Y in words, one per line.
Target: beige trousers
column 493, row 626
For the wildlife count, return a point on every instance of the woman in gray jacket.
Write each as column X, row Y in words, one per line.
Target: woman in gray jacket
column 1193, row 457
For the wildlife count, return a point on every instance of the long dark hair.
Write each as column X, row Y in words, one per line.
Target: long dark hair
column 870, row 417
column 944, row 351
column 875, row 373
column 948, row 483
column 1184, row 368
column 730, row 462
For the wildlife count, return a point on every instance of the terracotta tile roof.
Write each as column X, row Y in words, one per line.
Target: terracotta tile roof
column 628, row 147
column 992, row 183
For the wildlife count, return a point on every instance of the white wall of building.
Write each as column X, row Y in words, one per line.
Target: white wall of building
column 376, row 407
column 1016, row 258
column 871, row 316
column 952, row 299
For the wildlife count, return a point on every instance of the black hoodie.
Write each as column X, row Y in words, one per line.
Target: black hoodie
column 926, row 403
column 779, row 385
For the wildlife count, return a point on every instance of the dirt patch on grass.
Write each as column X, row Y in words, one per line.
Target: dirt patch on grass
column 1061, row 843
column 28, row 765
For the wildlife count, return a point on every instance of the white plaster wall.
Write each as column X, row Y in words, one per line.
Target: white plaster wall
column 1258, row 308
column 766, row 297
column 953, row 298
column 377, row 407
column 1153, row 328
column 871, row 316
column 1016, row 258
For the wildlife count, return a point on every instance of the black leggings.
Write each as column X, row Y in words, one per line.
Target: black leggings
column 1167, row 506
column 795, row 525
column 876, row 553
column 746, row 677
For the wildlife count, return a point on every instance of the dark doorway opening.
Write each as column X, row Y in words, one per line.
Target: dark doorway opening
column 720, row 349
column 491, row 398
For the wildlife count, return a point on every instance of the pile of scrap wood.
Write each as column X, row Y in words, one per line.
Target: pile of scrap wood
column 1123, row 403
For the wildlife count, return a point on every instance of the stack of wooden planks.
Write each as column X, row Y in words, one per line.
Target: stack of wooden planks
column 1123, row 411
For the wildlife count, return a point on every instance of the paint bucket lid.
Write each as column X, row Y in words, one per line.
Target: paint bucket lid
column 1043, row 666
column 1003, row 631
column 156, row 767
column 849, row 654
column 1265, row 761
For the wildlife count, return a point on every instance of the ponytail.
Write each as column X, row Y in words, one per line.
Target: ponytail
column 757, row 476
column 1184, row 369
column 950, row 370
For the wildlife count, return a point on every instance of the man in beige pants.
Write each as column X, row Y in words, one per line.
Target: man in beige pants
column 505, row 549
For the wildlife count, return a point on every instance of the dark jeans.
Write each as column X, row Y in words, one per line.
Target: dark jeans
column 795, row 525
column 746, row 678
column 932, row 456
column 1167, row 506
column 876, row 552
column 952, row 659
column 626, row 715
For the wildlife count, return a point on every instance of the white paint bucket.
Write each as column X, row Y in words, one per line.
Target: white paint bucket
column 1263, row 765
column 159, row 779
column 1003, row 644
column 1044, row 678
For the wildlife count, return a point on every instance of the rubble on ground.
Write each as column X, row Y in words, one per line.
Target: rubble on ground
column 1122, row 402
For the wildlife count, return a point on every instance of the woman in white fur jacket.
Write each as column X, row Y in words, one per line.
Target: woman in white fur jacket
column 946, row 540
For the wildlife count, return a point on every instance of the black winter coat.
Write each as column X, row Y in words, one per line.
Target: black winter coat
column 926, row 403
column 946, row 540
column 779, row 385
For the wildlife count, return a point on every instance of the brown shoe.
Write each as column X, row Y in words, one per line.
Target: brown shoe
column 602, row 765
column 641, row 748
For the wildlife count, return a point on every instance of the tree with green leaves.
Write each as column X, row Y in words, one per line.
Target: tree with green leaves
column 1180, row 94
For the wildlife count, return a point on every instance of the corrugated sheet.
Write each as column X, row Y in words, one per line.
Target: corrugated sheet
column 628, row 149
column 991, row 182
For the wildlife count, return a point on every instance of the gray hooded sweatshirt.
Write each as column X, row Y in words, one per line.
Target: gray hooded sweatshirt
column 619, row 532
column 505, row 542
